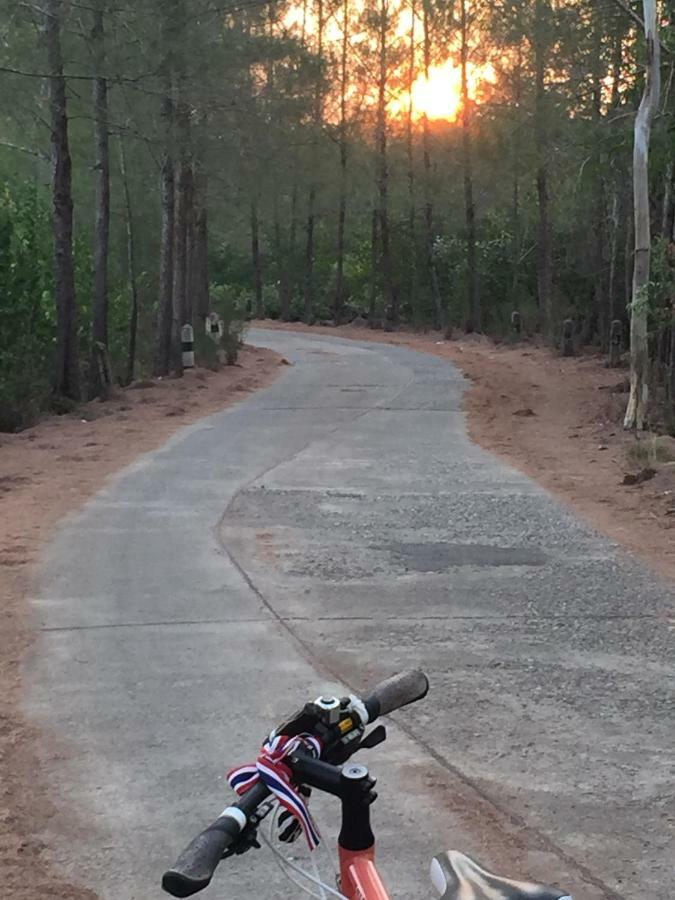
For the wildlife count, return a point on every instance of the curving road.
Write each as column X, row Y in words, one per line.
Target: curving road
column 336, row 527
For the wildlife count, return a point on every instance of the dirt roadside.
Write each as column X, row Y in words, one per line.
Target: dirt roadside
column 559, row 421
column 45, row 472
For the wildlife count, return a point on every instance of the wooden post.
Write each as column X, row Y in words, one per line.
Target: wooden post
column 615, row 343
column 516, row 322
column 567, row 344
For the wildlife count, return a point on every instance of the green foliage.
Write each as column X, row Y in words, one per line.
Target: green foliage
column 26, row 310
column 230, row 303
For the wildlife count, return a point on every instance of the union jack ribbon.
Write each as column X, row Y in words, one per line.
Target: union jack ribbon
column 271, row 769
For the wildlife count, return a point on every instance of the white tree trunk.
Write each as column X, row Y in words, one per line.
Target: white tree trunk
column 636, row 411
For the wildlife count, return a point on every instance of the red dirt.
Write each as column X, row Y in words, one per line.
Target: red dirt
column 559, row 421
column 46, row 472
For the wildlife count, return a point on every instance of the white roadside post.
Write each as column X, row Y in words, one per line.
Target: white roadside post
column 187, row 340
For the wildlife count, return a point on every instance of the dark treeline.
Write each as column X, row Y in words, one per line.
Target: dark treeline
column 161, row 160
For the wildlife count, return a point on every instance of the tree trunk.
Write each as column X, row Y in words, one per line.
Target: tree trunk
column 412, row 238
column 257, row 263
column 636, row 411
column 391, row 297
column 183, row 190
column 428, row 205
column 544, row 237
column 613, row 240
column 342, row 207
column 200, row 257
column 374, row 241
column 99, row 325
column 181, row 312
column 66, row 379
column 308, row 315
column 311, row 197
column 167, row 190
column 473, row 319
column 131, row 266
column 515, row 188
column 668, row 208
column 598, row 237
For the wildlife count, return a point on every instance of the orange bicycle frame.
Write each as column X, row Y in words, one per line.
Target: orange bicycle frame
column 359, row 879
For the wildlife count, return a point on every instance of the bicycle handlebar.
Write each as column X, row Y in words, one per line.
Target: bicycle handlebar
column 395, row 692
column 194, row 868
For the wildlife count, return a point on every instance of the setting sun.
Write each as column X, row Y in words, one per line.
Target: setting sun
column 439, row 96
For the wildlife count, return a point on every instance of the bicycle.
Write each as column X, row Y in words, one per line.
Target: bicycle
column 311, row 751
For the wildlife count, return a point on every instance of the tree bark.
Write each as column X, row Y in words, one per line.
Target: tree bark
column 66, row 378
column 668, row 207
column 515, row 187
column 200, row 255
column 613, row 240
column 428, row 205
column 473, row 319
column 308, row 315
column 131, row 265
column 374, row 241
column 598, row 237
column 257, row 263
column 412, row 237
column 391, row 296
column 342, row 206
column 544, row 236
column 167, row 191
column 99, row 326
column 181, row 311
column 637, row 409
column 311, row 197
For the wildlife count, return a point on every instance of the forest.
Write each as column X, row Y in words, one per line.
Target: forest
column 503, row 167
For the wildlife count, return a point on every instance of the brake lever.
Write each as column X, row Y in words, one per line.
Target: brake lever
column 375, row 737
column 248, row 839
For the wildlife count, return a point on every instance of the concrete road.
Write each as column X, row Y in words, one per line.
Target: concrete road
column 336, row 527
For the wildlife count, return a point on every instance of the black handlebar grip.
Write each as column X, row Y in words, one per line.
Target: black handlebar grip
column 397, row 691
column 195, row 866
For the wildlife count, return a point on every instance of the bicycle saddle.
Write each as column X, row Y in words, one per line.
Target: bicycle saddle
column 458, row 877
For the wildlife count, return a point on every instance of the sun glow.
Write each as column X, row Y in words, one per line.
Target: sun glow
column 439, row 97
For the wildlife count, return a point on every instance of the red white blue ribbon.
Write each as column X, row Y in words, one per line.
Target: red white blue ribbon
column 271, row 769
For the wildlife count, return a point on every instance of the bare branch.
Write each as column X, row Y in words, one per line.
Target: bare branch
column 37, row 153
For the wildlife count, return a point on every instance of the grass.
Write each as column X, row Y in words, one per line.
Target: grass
column 651, row 451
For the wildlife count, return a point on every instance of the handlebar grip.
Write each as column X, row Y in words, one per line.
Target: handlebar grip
column 397, row 691
column 195, row 866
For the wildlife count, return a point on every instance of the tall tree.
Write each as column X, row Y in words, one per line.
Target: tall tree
column 132, row 273
column 257, row 262
column 541, row 43
column 473, row 317
column 167, row 199
column 637, row 409
column 426, row 155
column 391, row 294
column 410, row 155
column 311, row 196
column 342, row 203
column 66, row 379
column 98, row 385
